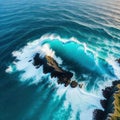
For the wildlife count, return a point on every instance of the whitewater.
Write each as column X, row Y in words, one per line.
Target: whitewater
column 82, row 36
column 98, row 72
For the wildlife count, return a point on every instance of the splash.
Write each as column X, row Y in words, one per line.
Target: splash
column 88, row 67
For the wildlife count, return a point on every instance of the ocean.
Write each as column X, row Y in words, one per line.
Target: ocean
column 82, row 36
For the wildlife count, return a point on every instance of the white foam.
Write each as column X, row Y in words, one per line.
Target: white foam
column 115, row 66
column 26, row 53
column 9, row 69
column 23, row 63
column 79, row 99
column 64, row 40
column 82, row 102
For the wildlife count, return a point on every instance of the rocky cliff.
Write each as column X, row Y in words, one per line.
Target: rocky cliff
column 111, row 104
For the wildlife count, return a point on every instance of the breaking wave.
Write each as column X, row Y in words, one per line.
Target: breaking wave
column 92, row 70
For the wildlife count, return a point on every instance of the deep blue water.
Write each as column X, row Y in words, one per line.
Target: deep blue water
column 83, row 37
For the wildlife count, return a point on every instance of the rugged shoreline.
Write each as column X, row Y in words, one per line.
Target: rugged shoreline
column 111, row 104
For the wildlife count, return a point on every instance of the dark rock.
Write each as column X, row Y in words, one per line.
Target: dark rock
column 73, row 84
column 52, row 67
column 56, row 74
column 67, row 83
column 63, row 76
column 103, row 103
column 47, row 69
column 107, row 92
column 53, row 74
column 107, row 104
column 116, row 82
column 37, row 60
column 80, row 85
column 118, row 60
column 29, row 60
column 98, row 115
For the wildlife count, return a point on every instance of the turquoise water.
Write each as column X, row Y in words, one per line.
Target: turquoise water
column 82, row 36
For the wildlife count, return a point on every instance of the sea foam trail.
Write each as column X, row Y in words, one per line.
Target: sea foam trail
column 80, row 100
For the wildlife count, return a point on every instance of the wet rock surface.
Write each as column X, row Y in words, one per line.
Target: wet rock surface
column 111, row 104
column 118, row 60
column 37, row 61
column 73, row 84
column 107, row 104
column 52, row 67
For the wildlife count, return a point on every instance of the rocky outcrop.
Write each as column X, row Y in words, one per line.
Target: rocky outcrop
column 111, row 104
column 37, row 61
column 116, row 114
column 52, row 67
column 73, row 84
column 118, row 60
